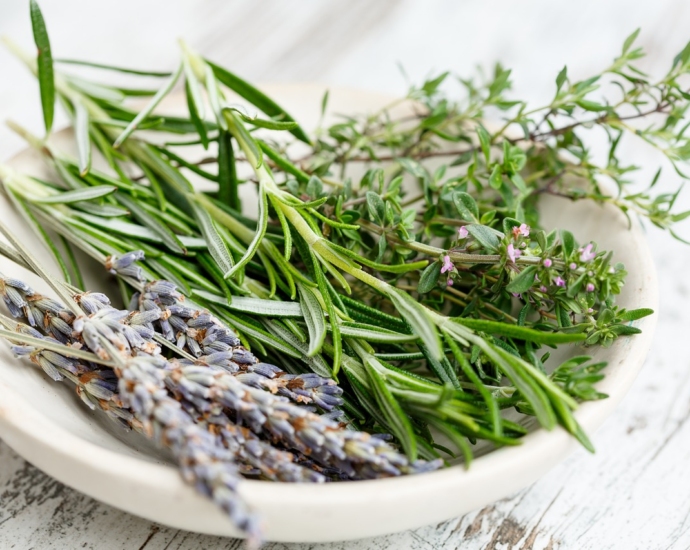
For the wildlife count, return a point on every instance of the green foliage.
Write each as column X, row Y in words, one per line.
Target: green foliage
column 431, row 285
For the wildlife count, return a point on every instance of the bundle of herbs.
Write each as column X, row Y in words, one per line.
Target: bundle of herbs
column 394, row 280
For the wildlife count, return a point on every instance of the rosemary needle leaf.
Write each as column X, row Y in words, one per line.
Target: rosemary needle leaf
column 242, row 135
column 44, row 64
column 111, row 67
column 269, row 124
column 193, row 90
column 373, row 333
column 143, row 217
column 521, row 333
column 78, row 195
column 256, row 98
column 194, row 115
column 121, row 227
column 262, row 224
column 228, row 192
column 103, row 210
column 81, row 132
column 314, row 318
column 396, row 417
column 39, row 230
column 418, row 319
column 146, row 111
column 282, row 162
column 215, row 242
column 267, row 308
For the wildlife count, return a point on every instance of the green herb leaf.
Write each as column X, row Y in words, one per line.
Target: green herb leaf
column 429, row 278
column 484, row 142
column 146, row 111
column 44, row 65
column 561, row 78
column 486, row 236
column 112, row 67
column 81, row 133
column 467, row 206
column 215, row 242
column 635, row 314
column 256, row 98
column 521, row 333
column 143, row 217
column 269, row 124
column 524, row 281
column 397, row 419
column 314, row 318
column 419, row 320
column 78, row 195
column 568, row 242
column 228, row 185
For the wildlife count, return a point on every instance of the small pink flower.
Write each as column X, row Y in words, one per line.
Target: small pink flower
column 513, row 253
column 548, row 262
column 449, row 282
column 573, row 265
column 516, row 295
column 590, row 310
column 586, row 253
column 590, row 287
column 462, row 232
column 447, row 264
column 559, row 281
column 542, row 288
column 523, row 230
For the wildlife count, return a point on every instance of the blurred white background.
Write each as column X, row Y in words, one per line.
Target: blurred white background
column 634, row 492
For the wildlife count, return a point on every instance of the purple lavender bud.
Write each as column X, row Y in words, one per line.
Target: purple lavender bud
column 214, row 347
column 124, row 265
column 61, row 361
column 182, row 311
column 29, row 331
column 49, row 368
column 264, row 369
column 177, row 323
column 203, row 320
column 145, row 317
column 99, row 390
column 15, row 297
column 21, row 351
column 19, row 285
column 91, row 302
column 243, row 356
column 194, row 347
column 222, row 358
column 164, row 289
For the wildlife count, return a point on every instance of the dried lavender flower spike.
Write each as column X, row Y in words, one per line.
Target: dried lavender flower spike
column 202, row 335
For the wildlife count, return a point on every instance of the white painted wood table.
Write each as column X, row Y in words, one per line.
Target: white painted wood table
column 635, row 492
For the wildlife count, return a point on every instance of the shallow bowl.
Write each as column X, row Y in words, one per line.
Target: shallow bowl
column 46, row 424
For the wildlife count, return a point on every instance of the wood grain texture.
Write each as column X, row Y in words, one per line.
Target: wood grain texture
column 633, row 493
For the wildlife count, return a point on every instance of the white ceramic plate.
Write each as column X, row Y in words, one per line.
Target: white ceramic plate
column 44, row 422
